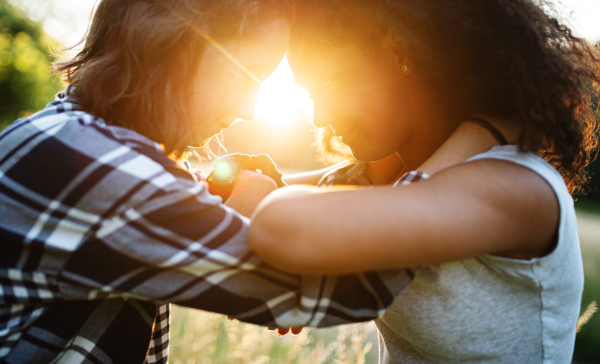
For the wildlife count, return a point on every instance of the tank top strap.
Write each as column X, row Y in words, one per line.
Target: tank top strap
column 492, row 129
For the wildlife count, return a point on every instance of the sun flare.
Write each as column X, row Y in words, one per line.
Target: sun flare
column 281, row 101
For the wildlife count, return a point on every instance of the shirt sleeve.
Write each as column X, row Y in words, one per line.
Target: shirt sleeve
column 183, row 246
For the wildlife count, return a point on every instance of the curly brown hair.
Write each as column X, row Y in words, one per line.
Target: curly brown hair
column 140, row 58
column 509, row 58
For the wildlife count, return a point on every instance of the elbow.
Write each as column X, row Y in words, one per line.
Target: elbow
column 276, row 237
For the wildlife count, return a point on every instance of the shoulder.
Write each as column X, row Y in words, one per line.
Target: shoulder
column 520, row 198
column 63, row 147
column 497, row 180
column 63, row 126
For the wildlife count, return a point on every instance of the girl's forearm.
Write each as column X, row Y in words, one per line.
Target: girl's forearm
column 310, row 178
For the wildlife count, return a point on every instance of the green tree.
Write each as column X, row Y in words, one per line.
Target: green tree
column 26, row 81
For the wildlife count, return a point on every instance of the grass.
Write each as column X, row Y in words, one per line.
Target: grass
column 587, row 206
column 202, row 338
column 587, row 349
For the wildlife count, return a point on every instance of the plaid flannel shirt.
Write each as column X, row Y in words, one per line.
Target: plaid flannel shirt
column 348, row 174
column 355, row 174
column 100, row 230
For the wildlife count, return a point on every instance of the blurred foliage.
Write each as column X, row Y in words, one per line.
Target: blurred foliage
column 26, row 81
column 591, row 201
column 199, row 337
column 586, row 344
column 587, row 349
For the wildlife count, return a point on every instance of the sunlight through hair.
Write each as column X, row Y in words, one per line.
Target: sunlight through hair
column 205, row 152
column 281, row 101
column 201, row 32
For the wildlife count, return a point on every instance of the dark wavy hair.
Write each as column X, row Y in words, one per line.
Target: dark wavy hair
column 506, row 57
column 140, row 58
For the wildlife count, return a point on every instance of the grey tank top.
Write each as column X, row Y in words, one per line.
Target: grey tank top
column 490, row 309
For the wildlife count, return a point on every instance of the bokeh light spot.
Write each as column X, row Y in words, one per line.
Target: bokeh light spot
column 224, row 170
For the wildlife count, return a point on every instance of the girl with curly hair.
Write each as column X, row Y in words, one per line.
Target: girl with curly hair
column 500, row 276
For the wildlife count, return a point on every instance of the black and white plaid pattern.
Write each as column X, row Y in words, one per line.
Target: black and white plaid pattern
column 100, row 230
column 355, row 174
column 159, row 345
column 410, row 177
column 349, row 174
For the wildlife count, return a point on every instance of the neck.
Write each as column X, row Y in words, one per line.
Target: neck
column 385, row 171
column 431, row 133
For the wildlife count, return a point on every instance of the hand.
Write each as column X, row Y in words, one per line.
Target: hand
column 222, row 179
column 249, row 189
column 283, row 332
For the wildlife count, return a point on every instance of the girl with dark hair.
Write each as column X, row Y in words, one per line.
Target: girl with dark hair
column 500, row 277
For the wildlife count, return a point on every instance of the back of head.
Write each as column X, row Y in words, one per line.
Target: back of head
column 140, row 59
column 502, row 57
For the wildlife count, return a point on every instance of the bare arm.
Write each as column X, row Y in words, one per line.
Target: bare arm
column 466, row 210
column 481, row 207
column 310, row 178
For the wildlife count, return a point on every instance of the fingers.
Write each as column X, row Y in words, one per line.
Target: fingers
column 285, row 331
column 280, row 331
column 201, row 176
column 238, row 162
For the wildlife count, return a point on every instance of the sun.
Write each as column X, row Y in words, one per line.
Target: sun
column 281, row 101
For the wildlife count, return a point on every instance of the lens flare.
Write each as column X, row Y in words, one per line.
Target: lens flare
column 224, row 170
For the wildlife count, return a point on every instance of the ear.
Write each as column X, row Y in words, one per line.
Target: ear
column 406, row 65
column 399, row 50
